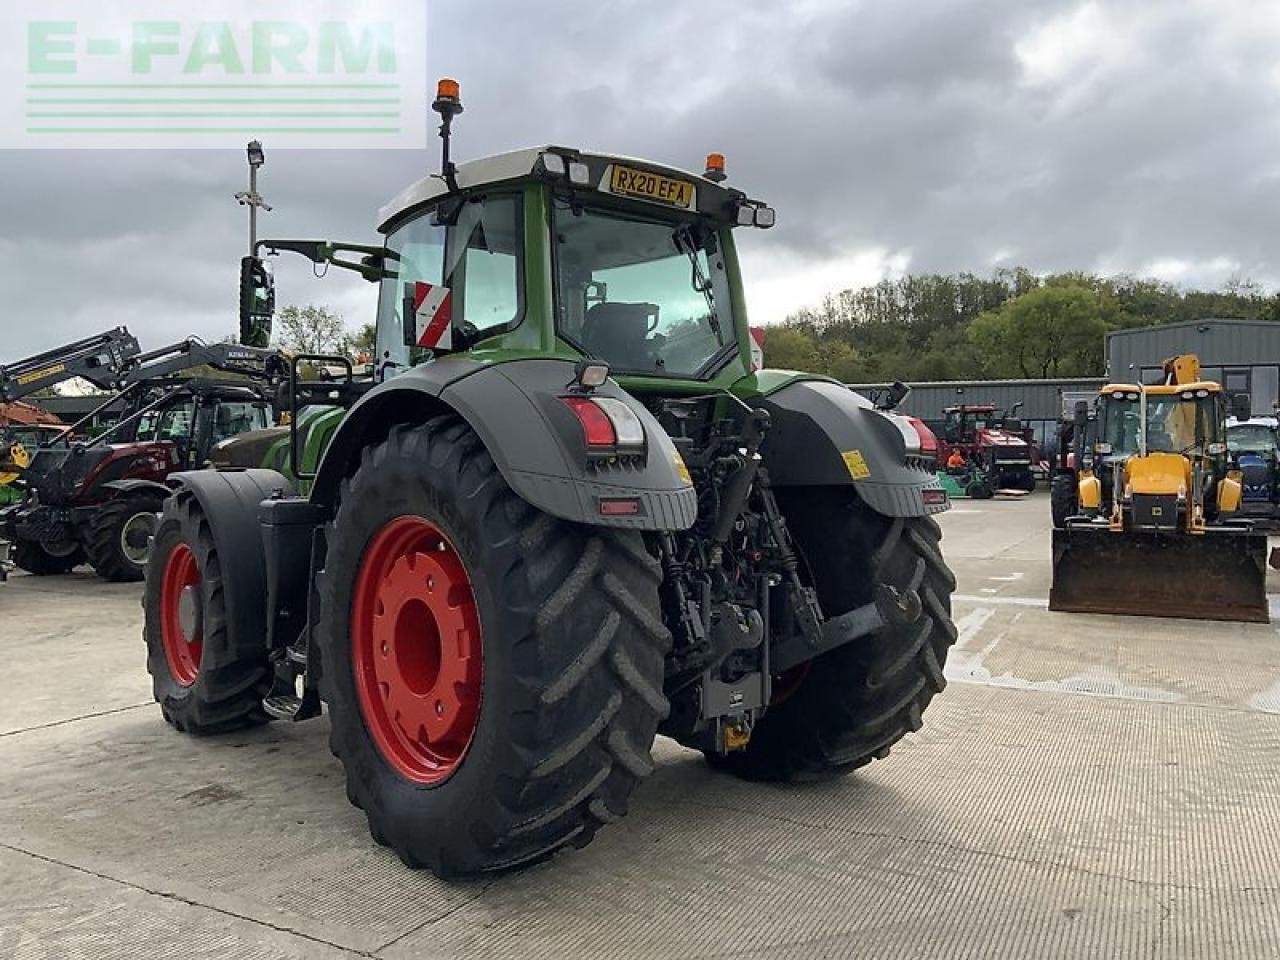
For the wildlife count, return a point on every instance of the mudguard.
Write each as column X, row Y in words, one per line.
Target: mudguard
column 230, row 500
column 534, row 438
column 822, row 434
column 125, row 487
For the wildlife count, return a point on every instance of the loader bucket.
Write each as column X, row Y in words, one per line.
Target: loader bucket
column 1220, row 575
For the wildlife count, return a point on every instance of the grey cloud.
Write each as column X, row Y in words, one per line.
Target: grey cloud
column 869, row 125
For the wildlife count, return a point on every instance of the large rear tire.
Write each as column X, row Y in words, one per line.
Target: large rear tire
column 852, row 704
column 205, row 678
column 37, row 559
column 533, row 730
column 1062, row 498
column 120, row 535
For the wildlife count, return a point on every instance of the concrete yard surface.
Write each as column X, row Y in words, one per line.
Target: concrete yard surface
column 1086, row 786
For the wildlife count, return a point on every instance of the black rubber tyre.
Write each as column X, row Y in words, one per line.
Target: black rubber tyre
column 855, row 702
column 233, row 672
column 1062, row 498
column 31, row 556
column 980, row 489
column 572, row 645
column 111, row 524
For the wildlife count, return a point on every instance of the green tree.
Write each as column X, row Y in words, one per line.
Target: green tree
column 310, row 329
column 1052, row 331
column 363, row 342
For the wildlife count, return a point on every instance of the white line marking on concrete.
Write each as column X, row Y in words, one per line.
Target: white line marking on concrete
column 962, row 510
column 1016, row 575
column 1268, row 700
column 967, row 627
column 988, row 590
column 1094, row 681
column 1040, row 602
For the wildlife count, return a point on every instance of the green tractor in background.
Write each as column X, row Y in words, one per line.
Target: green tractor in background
column 564, row 516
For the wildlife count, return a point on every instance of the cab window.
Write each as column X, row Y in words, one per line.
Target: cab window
column 477, row 260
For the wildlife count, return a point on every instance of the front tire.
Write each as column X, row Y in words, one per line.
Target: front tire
column 853, row 703
column 38, row 560
column 557, row 672
column 120, row 535
column 1062, row 498
column 205, row 679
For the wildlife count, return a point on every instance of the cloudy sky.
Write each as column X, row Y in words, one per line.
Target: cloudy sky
column 930, row 135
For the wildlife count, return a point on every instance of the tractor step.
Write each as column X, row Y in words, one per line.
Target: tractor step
column 287, row 706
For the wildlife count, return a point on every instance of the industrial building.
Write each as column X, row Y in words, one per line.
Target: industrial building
column 1242, row 355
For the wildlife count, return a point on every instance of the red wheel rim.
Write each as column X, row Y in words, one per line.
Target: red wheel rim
column 416, row 649
column 183, row 642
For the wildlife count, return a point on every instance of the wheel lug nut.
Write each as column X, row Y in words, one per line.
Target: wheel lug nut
column 431, row 583
column 439, row 709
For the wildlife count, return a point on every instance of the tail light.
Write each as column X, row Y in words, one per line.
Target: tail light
column 609, row 426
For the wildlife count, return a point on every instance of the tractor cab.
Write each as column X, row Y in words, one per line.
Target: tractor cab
column 963, row 423
column 559, row 251
column 1174, row 428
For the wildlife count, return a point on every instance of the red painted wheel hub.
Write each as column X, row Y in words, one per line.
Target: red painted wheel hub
column 416, row 649
column 181, row 631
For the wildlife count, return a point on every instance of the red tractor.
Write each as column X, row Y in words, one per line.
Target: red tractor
column 988, row 440
column 100, row 500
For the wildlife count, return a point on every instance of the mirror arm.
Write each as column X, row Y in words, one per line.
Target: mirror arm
column 322, row 251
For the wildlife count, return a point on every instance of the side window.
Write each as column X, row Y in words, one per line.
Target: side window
column 476, row 260
column 175, row 422
column 415, row 254
column 146, row 429
column 484, row 264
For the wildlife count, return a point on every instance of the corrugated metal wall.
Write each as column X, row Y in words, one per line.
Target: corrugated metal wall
column 1041, row 399
column 1242, row 355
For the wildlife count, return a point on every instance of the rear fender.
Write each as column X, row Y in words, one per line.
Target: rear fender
column 230, row 501
column 824, row 434
column 534, row 439
column 124, row 488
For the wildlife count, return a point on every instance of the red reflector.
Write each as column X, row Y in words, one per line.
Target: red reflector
column 597, row 428
column 934, row 497
column 619, row 507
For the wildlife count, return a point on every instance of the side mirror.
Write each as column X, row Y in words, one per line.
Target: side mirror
column 257, row 302
column 1080, row 416
column 1241, row 406
column 896, row 393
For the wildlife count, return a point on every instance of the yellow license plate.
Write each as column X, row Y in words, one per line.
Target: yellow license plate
column 651, row 186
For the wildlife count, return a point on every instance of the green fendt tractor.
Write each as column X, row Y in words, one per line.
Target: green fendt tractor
column 565, row 516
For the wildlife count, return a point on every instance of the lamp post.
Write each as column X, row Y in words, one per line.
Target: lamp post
column 251, row 198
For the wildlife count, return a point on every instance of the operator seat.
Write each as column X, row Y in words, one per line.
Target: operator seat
column 618, row 333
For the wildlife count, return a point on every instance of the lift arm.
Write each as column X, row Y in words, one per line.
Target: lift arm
column 253, row 362
column 100, row 359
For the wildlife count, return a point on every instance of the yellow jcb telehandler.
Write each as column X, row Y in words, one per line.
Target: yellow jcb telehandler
column 1156, row 531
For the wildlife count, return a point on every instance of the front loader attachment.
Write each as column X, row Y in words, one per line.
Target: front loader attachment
column 1218, row 575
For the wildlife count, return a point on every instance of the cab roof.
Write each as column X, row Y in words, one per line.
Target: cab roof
column 708, row 196
column 1162, row 389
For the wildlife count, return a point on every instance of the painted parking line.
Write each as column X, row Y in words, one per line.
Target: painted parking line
column 1042, row 602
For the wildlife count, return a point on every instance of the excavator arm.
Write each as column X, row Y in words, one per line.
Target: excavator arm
column 1182, row 369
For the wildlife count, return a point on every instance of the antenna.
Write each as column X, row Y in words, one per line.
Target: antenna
column 448, row 104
